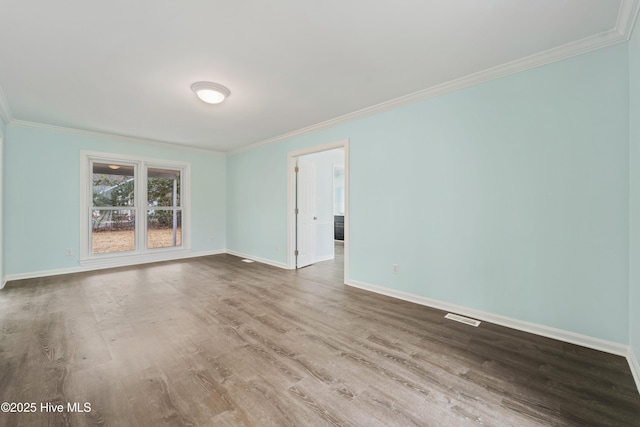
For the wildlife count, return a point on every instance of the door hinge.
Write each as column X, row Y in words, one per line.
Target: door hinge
column 297, row 211
column 296, row 252
column 296, row 169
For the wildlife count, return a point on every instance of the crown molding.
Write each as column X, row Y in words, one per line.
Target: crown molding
column 627, row 15
column 112, row 137
column 5, row 111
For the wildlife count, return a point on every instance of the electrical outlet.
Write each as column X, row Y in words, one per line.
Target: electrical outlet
column 69, row 251
column 396, row 269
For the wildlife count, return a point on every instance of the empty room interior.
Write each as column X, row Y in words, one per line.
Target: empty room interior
column 339, row 213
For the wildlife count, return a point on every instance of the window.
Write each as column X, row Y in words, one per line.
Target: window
column 132, row 206
column 164, row 213
column 113, row 208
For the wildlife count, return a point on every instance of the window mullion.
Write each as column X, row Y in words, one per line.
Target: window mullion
column 142, row 204
column 123, row 194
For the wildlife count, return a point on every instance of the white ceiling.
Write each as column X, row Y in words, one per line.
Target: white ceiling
column 125, row 67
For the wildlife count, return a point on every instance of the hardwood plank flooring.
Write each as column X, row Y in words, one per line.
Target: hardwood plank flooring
column 215, row 341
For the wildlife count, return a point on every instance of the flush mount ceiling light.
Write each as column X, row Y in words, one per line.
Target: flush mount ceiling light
column 211, row 93
column 114, row 167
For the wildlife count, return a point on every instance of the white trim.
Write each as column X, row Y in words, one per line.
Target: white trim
column 153, row 161
column 258, row 259
column 634, row 365
column 129, row 258
column 113, row 263
column 291, row 189
column 627, row 15
column 319, row 148
column 545, row 331
column 140, row 164
column 621, row 33
column 5, row 110
column 113, row 137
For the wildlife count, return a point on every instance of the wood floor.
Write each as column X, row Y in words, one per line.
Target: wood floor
column 215, row 341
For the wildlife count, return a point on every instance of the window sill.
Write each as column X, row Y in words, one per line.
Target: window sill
column 112, row 261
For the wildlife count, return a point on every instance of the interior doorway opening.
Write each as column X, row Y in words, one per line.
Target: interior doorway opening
column 318, row 203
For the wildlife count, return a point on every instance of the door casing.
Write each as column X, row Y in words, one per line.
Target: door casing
column 291, row 194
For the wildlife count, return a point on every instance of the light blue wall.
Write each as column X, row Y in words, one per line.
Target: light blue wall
column 256, row 206
column 42, row 214
column 634, row 195
column 509, row 197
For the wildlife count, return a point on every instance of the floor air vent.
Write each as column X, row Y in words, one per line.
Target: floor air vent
column 461, row 319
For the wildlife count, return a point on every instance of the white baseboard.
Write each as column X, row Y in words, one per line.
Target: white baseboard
column 129, row 261
column 545, row 331
column 260, row 260
column 111, row 263
column 635, row 367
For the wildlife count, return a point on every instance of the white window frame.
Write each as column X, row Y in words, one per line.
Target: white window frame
column 140, row 253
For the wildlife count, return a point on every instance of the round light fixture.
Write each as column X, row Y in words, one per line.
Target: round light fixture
column 114, row 167
column 211, row 93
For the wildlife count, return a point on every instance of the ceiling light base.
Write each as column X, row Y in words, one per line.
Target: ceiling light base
column 209, row 92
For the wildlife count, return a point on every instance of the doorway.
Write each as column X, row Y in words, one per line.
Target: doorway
column 312, row 204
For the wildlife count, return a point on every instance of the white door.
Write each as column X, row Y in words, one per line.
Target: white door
column 306, row 212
